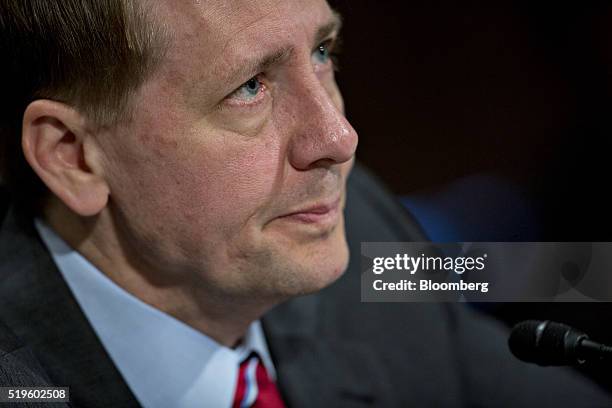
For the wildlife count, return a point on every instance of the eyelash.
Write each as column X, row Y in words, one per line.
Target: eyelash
column 256, row 98
column 332, row 46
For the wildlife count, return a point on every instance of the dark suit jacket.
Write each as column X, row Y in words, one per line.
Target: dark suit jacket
column 330, row 350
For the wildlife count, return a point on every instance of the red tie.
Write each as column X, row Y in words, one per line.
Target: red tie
column 255, row 389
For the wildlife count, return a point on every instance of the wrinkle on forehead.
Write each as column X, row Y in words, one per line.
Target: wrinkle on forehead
column 211, row 35
column 204, row 28
column 214, row 23
column 273, row 7
column 210, row 19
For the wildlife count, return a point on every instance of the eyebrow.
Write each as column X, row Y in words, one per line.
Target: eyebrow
column 334, row 25
column 264, row 63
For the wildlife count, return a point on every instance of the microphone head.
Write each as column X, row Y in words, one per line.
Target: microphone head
column 545, row 342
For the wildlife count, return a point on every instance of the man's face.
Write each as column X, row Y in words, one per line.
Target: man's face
column 232, row 170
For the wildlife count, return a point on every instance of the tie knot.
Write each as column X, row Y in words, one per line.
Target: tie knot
column 250, row 357
column 254, row 388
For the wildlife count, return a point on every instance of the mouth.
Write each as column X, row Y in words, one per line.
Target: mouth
column 320, row 213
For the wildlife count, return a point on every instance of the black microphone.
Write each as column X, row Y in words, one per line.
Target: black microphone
column 551, row 344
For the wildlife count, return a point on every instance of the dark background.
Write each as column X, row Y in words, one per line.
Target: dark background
column 520, row 91
column 439, row 90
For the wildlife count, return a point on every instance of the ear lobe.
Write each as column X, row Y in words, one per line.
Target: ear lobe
column 53, row 142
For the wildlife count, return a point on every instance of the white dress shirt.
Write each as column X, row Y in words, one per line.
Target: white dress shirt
column 165, row 362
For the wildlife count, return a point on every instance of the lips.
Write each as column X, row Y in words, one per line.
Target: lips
column 318, row 213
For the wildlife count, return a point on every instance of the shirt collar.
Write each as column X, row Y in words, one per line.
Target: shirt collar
column 164, row 361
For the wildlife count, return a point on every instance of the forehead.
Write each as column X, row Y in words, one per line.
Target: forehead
column 218, row 19
column 214, row 33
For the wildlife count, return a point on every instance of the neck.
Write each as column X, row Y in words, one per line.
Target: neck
column 190, row 299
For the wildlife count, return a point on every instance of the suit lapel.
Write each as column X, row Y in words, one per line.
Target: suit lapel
column 312, row 370
column 38, row 306
column 316, row 370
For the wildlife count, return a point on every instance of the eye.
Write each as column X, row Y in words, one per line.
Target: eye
column 248, row 93
column 322, row 53
column 326, row 53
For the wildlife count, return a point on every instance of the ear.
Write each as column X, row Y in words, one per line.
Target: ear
column 57, row 146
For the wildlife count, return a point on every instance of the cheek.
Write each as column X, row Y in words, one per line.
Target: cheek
column 218, row 181
column 198, row 182
column 232, row 182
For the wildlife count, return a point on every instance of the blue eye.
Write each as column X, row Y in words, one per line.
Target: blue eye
column 250, row 93
column 249, row 90
column 322, row 53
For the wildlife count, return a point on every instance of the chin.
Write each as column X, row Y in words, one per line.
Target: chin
column 316, row 267
column 282, row 267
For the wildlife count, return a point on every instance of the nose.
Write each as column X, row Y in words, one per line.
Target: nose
column 322, row 135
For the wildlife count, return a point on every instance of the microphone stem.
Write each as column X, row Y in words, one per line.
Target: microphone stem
column 591, row 350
